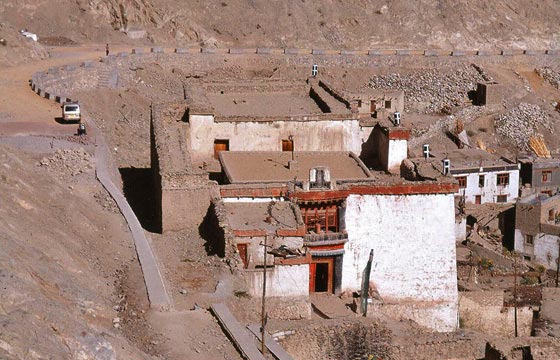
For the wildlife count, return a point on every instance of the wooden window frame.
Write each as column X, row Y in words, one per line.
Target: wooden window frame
column 502, row 179
column 324, row 215
column 546, row 176
column 498, row 197
column 462, row 181
column 529, row 239
column 481, row 180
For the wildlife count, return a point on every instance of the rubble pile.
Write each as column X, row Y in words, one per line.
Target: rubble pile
column 553, row 77
column 67, row 163
column 522, row 122
column 438, row 89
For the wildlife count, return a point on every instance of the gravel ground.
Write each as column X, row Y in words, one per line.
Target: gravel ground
column 550, row 75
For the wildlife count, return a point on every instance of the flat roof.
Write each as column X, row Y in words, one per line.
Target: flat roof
column 260, row 216
column 471, row 158
column 262, row 104
column 269, row 166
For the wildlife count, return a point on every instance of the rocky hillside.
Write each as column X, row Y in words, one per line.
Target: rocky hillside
column 295, row 23
column 64, row 248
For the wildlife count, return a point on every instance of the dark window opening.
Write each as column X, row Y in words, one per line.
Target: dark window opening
column 551, row 215
column 372, row 106
column 462, row 181
column 359, row 103
column 478, row 199
column 527, row 258
column 387, row 104
column 529, row 239
column 480, row 180
column 501, row 198
column 220, row 145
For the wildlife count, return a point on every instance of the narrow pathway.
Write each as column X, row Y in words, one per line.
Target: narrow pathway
column 22, row 112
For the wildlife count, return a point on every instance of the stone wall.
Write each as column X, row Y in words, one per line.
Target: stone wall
column 484, row 312
column 415, row 272
column 183, row 192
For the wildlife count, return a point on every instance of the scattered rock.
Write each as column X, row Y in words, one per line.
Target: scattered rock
column 522, row 122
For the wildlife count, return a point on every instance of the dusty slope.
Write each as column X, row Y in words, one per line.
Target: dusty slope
column 297, row 23
column 62, row 254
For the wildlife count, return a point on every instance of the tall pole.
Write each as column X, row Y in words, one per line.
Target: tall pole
column 515, row 290
column 558, row 263
column 263, row 313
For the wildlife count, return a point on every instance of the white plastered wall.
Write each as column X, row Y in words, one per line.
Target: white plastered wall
column 281, row 281
column 398, row 150
column 267, row 136
column 414, row 266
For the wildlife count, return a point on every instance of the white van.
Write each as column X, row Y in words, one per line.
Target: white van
column 71, row 111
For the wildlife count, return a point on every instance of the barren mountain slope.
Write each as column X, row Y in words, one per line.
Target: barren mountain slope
column 297, row 23
column 60, row 260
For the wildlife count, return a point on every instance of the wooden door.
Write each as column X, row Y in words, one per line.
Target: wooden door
column 372, row 106
column 321, row 274
column 287, row 145
column 242, row 248
column 220, row 145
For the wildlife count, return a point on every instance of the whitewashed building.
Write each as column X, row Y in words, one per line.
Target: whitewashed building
column 483, row 177
column 537, row 228
column 321, row 180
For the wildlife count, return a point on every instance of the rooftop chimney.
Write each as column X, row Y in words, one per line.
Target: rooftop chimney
column 446, row 166
column 397, row 118
column 426, row 150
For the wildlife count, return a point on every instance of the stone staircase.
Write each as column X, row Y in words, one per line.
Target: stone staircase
column 108, row 78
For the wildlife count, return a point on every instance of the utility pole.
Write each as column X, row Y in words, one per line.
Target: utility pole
column 263, row 310
column 515, row 290
column 558, row 263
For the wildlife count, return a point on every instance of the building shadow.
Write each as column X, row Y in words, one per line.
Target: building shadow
column 60, row 120
column 212, row 233
column 138, row 190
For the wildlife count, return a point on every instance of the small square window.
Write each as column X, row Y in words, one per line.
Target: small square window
column 529, row 239
column 503, row 179
column 462, row 181
column 501, row 198
column 480, row 180
column 387, row 104
column 546, row 176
